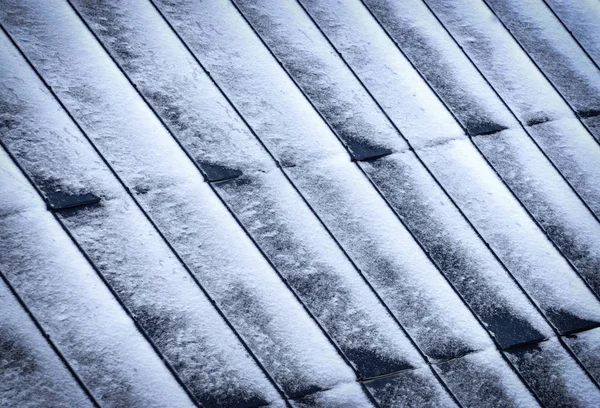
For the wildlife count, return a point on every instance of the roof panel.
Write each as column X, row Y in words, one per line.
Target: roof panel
column 546, row 41
column 581, row 19
column 386, row 253
column 521, row 245
column 175, row 85
column 484, row 379
column 425, row 43
column 322, row 76
column 221, row 40
column 320, row 273
column 77, row 311
column 586, row 347
column 527, row 92
column 303, row 203
column 31, row 373
column 554, row 376
column 267, row 206
column 457, row 250
column 130, row 254
column 571, row 226
column 170, row 188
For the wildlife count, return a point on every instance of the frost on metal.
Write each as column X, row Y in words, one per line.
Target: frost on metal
column 306, row 203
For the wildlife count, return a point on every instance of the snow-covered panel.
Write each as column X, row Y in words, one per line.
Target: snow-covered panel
column 23, row 97
column 586, row 347
column 257, row 85
column 568, row 223
column 187, row 212
column 139, row 266
column 358, row 343
column 410, row 388
column 363, row 43
column 319, row 272
column 457, row 250
column 576, row 155
column 168, row 305
column 247, row 289
column 31, row 373
column 325, row 79
column 336, row 190
column 525, row 89
column 545, row 39
column 532, row 166
column 581, row 19
column 427, row 45
column 174, row 84
column 290, row 37
column 386, row 253
column 342, row 396
column 353, row 316
column 513, row 235
column 78, row 312
column 454, row 171
column 554, row 376
column 485, row 379
column 501, row 60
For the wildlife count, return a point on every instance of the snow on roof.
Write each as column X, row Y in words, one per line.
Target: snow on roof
column 301, row 203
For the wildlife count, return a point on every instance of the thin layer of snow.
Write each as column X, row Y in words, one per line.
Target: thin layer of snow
column 139, row 266
column 342, row 396
column 320, row 73
column 501, row 60
column 576, row 229
column 300, row 248
column 171, row 190
column 581, row 19
column 554, row 376
column 174, row 84
column 532, row 178
column 528, row 93
column 31, row 374
column 586, row 347
column 168, row 304
column 424, row 41
column 575, row 154
column 509, row 230
column 485, row 379
column 247, row 289
column 410, row 388
column 546, row 41
column 461, row 255
column 457, row 250
column 369, row 231
column 76, row 309
column 218, row 35
column 274, row 215
column 387, row 254
column 413, row 26
column 362, row 42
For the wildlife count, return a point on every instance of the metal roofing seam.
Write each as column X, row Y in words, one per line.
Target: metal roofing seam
column 308, row 182
column 48, row 340
column 558, row 335
column 68, row 232
column 459, row 122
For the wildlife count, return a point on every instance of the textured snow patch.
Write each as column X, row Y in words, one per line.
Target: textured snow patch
column 31, row 374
